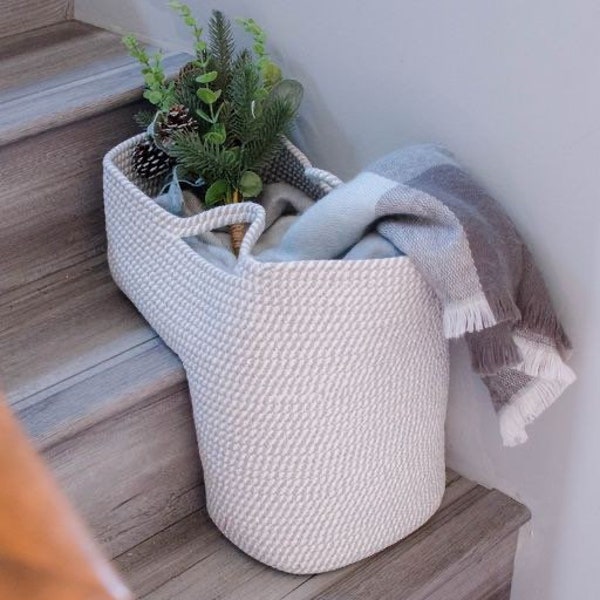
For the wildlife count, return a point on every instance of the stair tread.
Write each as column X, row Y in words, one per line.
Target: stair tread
column 74, row 335
column 60, row 73
column 193, row 560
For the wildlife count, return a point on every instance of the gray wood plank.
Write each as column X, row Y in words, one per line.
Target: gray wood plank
column 134, row 474
column 109, row 388
column 501, row 594
column 435, row 559
column 169, row 553
column 51, row 214
column 97, row 86
column 54, row 56
column 22, row 15
column 69, row 325
column 487, row 579
column 201, row 563
column 217, row 575
column 456, row 488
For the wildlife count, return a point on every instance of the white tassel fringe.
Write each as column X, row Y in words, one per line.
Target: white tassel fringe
column 541, row 360
column 527, row 405
column 471, row 314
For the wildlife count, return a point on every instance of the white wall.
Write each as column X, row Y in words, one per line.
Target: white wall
column 513, row 88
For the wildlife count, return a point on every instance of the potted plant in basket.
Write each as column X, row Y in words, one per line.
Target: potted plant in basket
column 221, row 120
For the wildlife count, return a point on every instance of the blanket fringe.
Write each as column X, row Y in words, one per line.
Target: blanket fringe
column 541, row 319
column 490, row 354
column 504, row 308
column 525, row 406
column 468, row 315
column 542, row 360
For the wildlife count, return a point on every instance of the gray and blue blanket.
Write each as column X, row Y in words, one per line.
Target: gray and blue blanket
column 418, row 201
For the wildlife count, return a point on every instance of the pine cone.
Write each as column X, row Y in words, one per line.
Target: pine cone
column 188, row 70
column 178, row 118
column 149, row 161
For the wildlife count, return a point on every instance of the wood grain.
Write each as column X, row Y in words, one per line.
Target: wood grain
column 51, row 198
column 118, row 432
column 45, row 552
column 134, row 474
column 192, row 560
column 56, row 56
column 170, row 552
column 68, row 324
column 57, row 413
column 93, row 75
column 105, row 400
column 433, row 561
column 21, row 15
column 489, row 578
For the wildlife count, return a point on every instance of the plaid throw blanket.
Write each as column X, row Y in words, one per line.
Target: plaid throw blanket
column 418, row 201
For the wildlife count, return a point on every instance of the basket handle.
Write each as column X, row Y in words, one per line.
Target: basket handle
column 328, row 181
column 323, row 177
column 229, row 214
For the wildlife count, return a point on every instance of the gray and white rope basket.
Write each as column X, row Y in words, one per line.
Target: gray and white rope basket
column 318, row 387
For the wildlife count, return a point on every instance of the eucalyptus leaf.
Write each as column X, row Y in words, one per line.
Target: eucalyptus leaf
column 204, row 116
column 216, row 193
column 208, row 96
column 250, row 185
column 207, row 77
column 271, row 73
column 217, row 134
column 153, row 96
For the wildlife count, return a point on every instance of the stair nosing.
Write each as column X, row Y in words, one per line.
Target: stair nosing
column 47, row 428
column 79, row 108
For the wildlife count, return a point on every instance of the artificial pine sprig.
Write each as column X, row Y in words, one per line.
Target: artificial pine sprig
column 221, row 47
column 225, row 115
column 144, row 118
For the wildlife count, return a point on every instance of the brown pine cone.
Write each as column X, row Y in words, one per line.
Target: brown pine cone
column 178, row 118
column 149, row 161
column 188, row 70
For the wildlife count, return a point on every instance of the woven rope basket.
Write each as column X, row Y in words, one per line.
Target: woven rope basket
column 319, row 387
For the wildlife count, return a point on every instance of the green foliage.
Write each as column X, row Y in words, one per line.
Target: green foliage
column 243, row 93
column 144, row 118
column 221, row 47
column 204, row 158
column 242, row 104
column 159, row 91
column 216, row 192
column 273, row 123
column 270, row 72
column 250, row 185
column 199, row 44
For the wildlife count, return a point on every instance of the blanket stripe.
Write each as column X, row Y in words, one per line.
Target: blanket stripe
column 424, row 205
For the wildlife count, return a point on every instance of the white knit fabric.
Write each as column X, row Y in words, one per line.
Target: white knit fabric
column 318, row 387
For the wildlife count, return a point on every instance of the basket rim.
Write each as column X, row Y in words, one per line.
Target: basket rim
column 162, row 216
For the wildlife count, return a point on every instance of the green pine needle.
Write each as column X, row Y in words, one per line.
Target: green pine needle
column 221, row 47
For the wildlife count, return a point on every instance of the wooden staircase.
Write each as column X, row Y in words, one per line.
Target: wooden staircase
column 105, row 401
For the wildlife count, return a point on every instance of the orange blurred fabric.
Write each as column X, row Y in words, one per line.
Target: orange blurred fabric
column 45, row 551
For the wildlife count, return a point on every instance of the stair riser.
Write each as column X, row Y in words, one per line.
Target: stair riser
column 134, row 474
column 24, row 15
column 51, row 214
column 488, row 577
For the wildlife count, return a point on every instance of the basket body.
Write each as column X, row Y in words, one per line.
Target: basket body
column 319, row 387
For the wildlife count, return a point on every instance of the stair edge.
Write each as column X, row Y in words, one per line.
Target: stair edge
column 100, row 392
